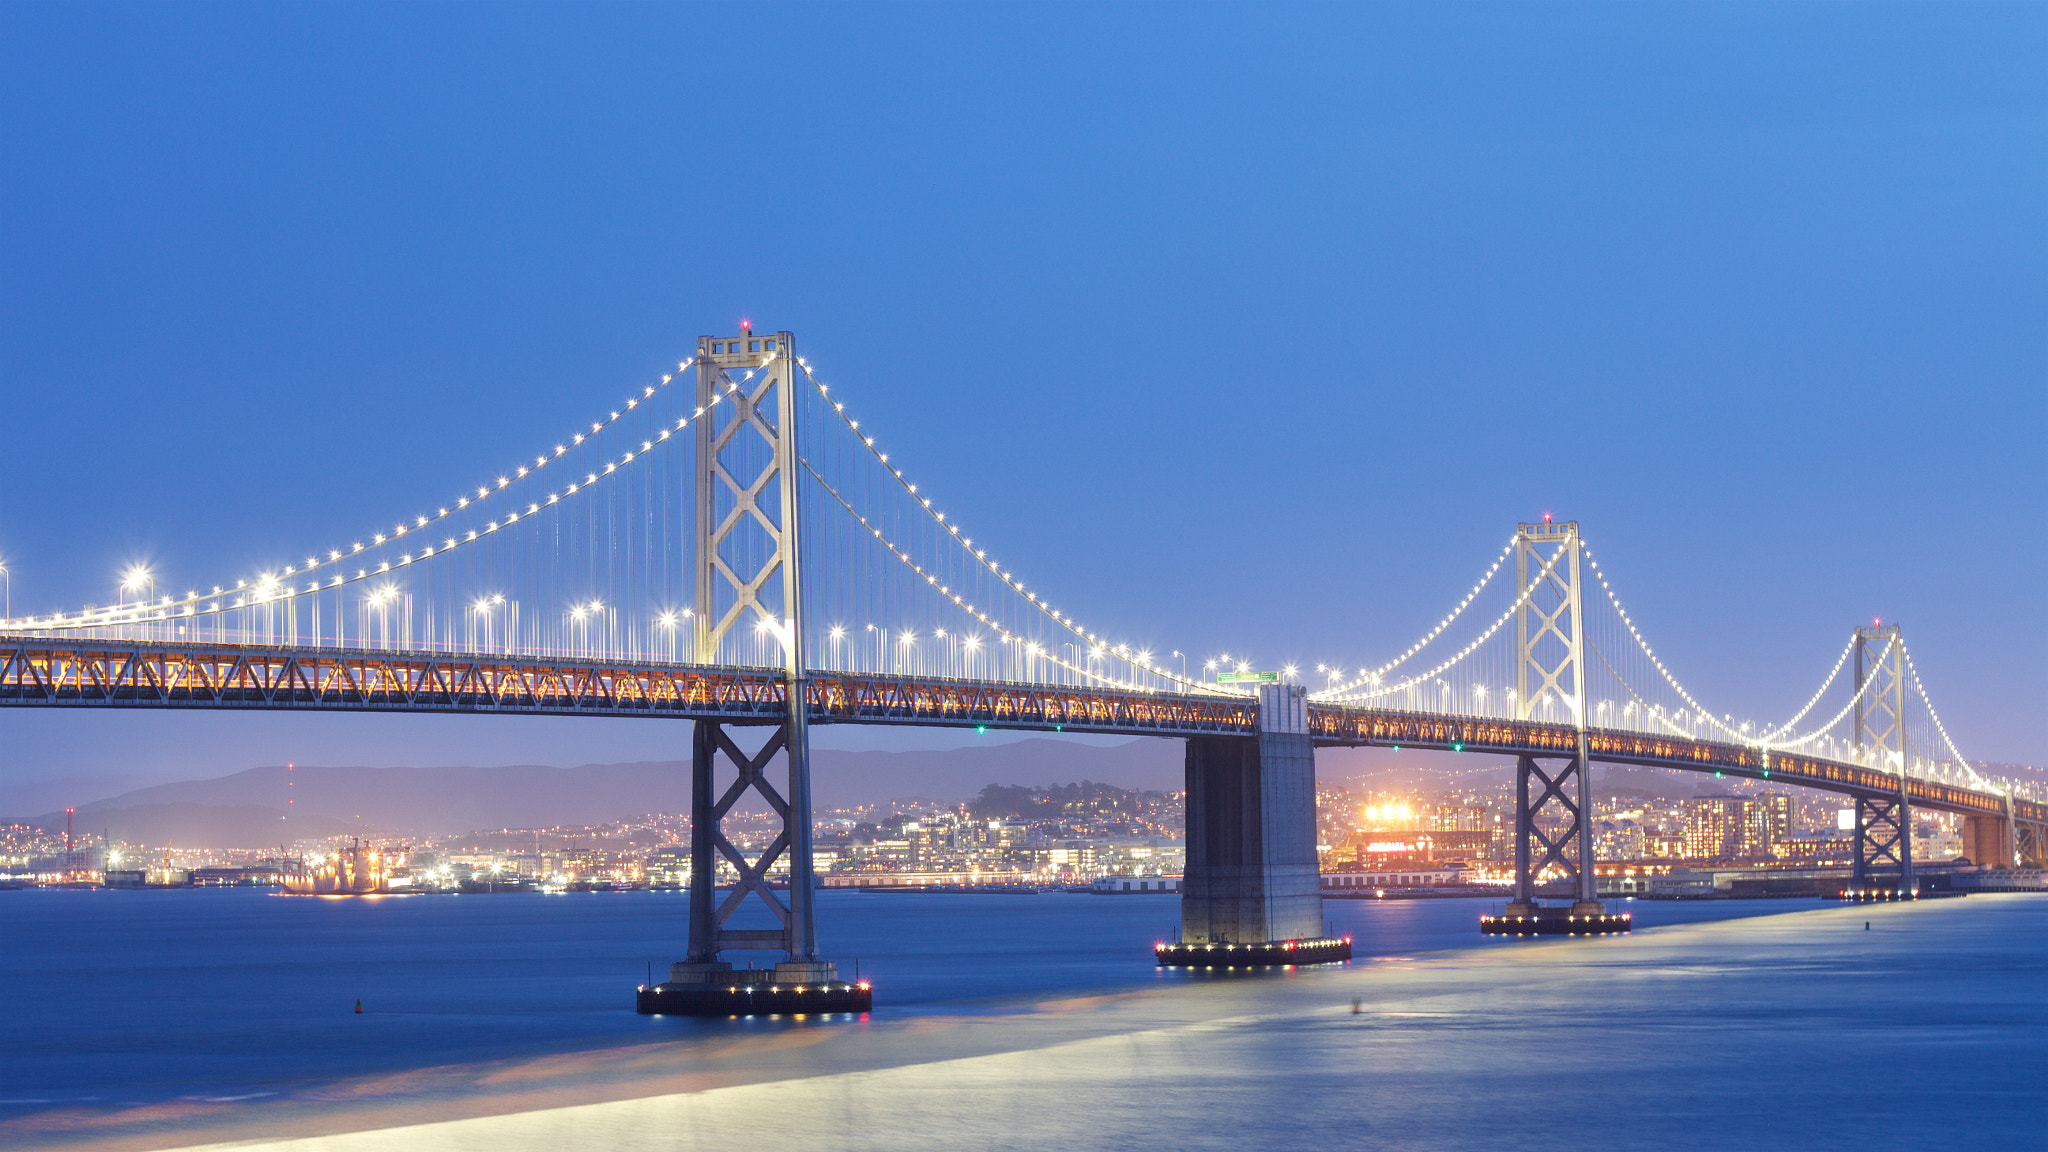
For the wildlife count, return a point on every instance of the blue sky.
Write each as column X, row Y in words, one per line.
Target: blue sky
column 1249, row 328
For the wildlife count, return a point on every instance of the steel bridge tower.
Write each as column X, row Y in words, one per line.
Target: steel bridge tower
column 749, row 570
column 1550, row 675
column 1884, row 822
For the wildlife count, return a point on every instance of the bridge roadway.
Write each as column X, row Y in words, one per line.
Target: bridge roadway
column 69, row 672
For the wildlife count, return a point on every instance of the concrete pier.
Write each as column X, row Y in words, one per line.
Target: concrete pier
column 1987, row 841
column 1251, row 873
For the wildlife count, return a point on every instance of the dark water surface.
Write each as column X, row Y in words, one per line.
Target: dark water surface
column 151, row 1020
column 123, row 997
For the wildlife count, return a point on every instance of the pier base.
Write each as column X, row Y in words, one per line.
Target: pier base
column 1869, row 893
column 801, row 987
column 1271, row 954
column 1581, row 919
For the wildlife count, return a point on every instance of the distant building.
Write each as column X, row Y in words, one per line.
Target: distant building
column 1117, row 885
column 1726, row 828
column 1435, row 875
column 1780, row 814
column 961, row 878
column 667, row 867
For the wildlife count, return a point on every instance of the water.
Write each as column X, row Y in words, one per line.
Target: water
column 259, row 990
column 137, row 1008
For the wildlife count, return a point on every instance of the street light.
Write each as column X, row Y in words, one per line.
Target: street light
column 135, row 579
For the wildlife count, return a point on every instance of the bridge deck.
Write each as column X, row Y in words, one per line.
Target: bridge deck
column 59, row 673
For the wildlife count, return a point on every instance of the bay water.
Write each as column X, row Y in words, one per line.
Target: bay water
column 146, row 1003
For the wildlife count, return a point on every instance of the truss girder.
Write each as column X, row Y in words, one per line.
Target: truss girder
column 43, row 673
column 1360, row 727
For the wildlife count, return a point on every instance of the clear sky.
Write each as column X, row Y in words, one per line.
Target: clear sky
column 1246, row 328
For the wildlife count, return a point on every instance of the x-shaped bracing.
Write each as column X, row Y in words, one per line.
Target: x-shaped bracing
column 1548, row 624
column 1880, row 831
column 1553, row 788
column 753, row 876
column 747, row 497
column 2026, row 844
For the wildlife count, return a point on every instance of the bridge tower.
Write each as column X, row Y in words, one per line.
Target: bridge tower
column 1884, row 821
column 1251, row 890
column 748, row 571
column 1550, row 677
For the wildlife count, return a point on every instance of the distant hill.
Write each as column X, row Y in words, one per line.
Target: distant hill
column 203, row 825
column 260, row 806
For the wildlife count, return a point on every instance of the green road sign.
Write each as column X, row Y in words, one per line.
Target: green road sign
column 1247, row 677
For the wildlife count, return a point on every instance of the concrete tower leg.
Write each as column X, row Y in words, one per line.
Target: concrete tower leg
column 1988, row 841
column 1252, row 877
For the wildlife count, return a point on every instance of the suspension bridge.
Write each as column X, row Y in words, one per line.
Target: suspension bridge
column 728, row 545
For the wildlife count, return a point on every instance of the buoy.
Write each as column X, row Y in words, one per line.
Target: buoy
column 1355, row 1001
column 359, row 1007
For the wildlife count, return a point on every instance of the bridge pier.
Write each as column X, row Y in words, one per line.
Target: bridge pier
column 705, row 984
column 1568, row 789
column 1988, row 841
column 1251, row 892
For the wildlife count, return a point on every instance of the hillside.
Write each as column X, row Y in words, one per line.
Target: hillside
column 261, row 806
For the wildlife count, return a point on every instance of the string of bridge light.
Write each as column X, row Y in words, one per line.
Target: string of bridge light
column 268, row 589
column 1645, row 645
column 1032, row 648
column 1921, row 689
column 1762, row 741
column 1854, row 700
column 1425, row 677
column 966, row 543
column 1657, row 713
column 1651, row 711
column 1789, row 725
column 1373, row 676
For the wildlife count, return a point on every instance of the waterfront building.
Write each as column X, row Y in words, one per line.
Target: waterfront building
column 1385, row 875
